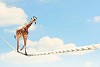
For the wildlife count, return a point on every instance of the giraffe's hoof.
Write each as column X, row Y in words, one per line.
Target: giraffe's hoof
column 17, row 51
column 26, row 54
column 20, row 49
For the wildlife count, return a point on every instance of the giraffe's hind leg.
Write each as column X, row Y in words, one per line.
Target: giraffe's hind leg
column 22, row 47
column 25, row 49
column 17, row 45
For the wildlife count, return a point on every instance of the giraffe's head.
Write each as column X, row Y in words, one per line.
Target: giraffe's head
column 33, row 19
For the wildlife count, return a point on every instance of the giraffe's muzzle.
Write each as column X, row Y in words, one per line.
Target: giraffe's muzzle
column 35, row 22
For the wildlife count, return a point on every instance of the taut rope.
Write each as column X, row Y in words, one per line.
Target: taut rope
column 91, row 47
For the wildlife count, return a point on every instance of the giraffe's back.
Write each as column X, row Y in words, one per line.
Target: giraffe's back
column 21, row 31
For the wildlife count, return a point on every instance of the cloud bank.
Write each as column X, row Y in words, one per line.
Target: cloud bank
column 45, row 44
column 11, row 15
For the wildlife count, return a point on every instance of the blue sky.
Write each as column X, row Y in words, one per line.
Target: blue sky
column 71, row 21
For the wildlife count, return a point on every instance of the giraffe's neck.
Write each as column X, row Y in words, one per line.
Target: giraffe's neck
column 29, row 24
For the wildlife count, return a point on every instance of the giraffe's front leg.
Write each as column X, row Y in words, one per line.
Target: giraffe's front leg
column 25, row 40
column 25, row 50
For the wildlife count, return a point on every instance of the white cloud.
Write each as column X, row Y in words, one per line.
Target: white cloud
column 45, row 44
column 14, row 57
column 94, row 19
column 11, row 15
column 35, row 27
column 97, row 19
column 88, row 64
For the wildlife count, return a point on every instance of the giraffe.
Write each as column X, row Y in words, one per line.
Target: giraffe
column 23, row 32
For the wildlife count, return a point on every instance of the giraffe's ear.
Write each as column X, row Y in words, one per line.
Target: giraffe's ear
column 33, row 16
column 36, row 17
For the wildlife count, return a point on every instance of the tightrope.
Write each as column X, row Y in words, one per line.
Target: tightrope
column 7, row 42
column 88, row 48
column 77, row 49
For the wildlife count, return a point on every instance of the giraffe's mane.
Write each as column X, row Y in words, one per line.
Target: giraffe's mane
column 21, row 27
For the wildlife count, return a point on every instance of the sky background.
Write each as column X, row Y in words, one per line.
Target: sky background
column 60, row 24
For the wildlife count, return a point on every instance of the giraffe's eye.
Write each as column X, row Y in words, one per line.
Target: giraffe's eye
column 34, row 19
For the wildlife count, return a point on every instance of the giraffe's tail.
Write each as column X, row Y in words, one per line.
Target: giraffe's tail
column 14, row 36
